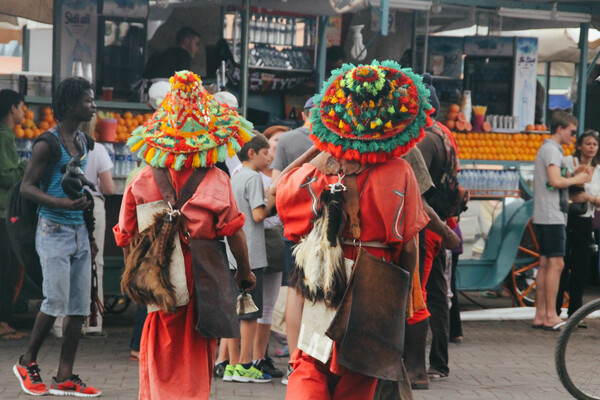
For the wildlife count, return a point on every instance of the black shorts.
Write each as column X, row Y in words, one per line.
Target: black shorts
column 552, row 239
column 256, row 293
column 289, row 261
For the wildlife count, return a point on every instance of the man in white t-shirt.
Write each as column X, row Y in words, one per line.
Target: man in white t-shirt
column 99, row 171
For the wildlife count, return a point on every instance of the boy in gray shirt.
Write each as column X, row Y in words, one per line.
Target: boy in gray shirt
column 550, row 203
column 249, row 193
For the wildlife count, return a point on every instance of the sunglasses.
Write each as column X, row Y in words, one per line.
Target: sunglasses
column 574, row 132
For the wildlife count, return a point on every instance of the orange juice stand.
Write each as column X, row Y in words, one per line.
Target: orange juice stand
column 509, row 252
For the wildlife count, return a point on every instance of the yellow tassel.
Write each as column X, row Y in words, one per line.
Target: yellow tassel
column 196, row 160
column 334, row 100
column 244, row 135
column 341, row 125
column 150, row 154
column 371, row 104
column 388, row 124
column 373, row 125
column 332, row 113
column 340, row 94
column 230, row 150
column 403, row 109
column 137, row 146
column 215, row 156
column 350, row 112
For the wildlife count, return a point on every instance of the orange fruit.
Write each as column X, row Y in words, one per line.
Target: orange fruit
column 19, row 132
column 127, row 115
column 28, row 133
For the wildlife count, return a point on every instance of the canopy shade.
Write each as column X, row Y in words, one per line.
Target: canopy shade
column 37, row 10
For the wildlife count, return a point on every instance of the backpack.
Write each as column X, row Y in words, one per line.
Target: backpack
column 22, row 214
column 449, row 199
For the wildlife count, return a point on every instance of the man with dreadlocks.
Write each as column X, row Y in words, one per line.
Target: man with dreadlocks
column 61, row 239
column 356, row 200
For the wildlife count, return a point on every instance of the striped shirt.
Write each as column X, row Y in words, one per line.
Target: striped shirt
column 54, row 188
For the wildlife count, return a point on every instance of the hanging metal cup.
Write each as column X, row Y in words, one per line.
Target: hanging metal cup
column 245, row 304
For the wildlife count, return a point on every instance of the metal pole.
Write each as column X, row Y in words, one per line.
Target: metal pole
column 413, row 55
column 244, row 57
column 56, row 33
column 321, row 51
column 582, row 82
column 384, row 18
column 425, row 42
column 546, row 117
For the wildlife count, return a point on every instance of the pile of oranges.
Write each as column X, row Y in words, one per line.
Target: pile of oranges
column 28, row 129
column 502, row 146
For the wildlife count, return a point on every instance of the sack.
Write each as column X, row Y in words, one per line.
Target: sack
column 577, row 209
column 369, row 324
column 449, row 198
column 147, row 275
column 214, row 293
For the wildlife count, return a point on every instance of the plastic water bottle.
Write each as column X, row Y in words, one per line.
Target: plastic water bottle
column 111, row 153
column 119, row 161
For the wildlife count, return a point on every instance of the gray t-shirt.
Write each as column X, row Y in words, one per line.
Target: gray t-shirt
column 291, row 145
column 249, row 193
column 549, row 204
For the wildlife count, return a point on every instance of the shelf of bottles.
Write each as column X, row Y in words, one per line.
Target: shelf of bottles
column 275, row 42
column 124, row 161
column 490, row 184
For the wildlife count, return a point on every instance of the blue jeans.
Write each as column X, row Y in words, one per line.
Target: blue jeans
column 64, row 252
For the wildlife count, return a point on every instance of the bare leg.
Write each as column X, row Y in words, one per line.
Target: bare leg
column 540, row 289
column 248, row 330
column 71, row 335
column 261, row 339
column 223, row 352
column 293, row 317
column 233, row 349
column 41, row 328
column 553, row 272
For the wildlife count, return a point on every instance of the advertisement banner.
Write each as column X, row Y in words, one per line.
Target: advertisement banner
column 525, row 80
column 78, row 27
column 125, row 8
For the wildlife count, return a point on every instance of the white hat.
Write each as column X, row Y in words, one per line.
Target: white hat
column 157, row 93
column 224, row 97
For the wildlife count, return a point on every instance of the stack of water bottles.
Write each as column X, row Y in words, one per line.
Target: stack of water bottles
column 487, row 182
column 123, row 160
column 24, row 147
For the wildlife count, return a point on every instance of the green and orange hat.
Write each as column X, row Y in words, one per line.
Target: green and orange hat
column 370, row 113
column 190, row 129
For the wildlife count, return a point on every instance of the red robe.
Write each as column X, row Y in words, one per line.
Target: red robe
column 176, row 362
column 391, row 212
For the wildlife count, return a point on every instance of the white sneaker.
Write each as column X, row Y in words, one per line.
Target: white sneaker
column 288, row 372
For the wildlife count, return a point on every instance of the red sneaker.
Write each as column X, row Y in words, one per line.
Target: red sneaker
column 73, row 387
column 30, row 379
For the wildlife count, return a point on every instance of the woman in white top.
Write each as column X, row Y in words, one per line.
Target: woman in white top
column 579, row 227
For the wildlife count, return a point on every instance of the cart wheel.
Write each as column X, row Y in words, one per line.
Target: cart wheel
column 521, row 278
column 116, row 304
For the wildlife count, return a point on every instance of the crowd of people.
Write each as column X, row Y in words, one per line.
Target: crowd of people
column 364, row 188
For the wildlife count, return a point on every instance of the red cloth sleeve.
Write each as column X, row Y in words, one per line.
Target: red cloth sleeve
column 126, row 228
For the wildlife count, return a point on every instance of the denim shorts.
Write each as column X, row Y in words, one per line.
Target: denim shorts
column 64, row 252
column 552, row 239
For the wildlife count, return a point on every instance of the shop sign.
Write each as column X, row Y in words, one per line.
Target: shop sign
column 125, row 8
column 267, row 81
column 78, row 27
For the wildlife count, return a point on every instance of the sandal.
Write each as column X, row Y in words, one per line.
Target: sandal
column 134, row 357
column 556, row 328
column 436, row 375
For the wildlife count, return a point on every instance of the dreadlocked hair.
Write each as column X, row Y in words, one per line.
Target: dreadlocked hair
column 68, row 93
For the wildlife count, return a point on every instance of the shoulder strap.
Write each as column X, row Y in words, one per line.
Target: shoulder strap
column 52, row 140
column 163, row 181
column 352, row 205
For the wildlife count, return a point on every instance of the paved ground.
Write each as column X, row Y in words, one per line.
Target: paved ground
column 497, row 360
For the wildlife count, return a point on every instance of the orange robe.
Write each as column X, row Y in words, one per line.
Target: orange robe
column 176, row 362
column 391, row 213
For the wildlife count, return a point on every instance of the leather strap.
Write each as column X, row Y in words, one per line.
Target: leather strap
column 352, row 205
column 163, row 181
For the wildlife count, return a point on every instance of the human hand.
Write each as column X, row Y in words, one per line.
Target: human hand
column 326, row 163
column 80, row 203
column 451, row 239
column 245, row 281
column 581, row 177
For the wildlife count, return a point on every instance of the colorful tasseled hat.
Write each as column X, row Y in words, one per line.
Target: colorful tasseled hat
column 370, row 113
column 190, row 129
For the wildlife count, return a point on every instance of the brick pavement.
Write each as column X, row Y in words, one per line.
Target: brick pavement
column 497, row 360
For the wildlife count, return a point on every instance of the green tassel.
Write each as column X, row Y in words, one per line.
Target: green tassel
column 221, row 153
column 163, row 159
column 142, row 151
column 154, row 161
column 179, row 162
column 339, row 109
